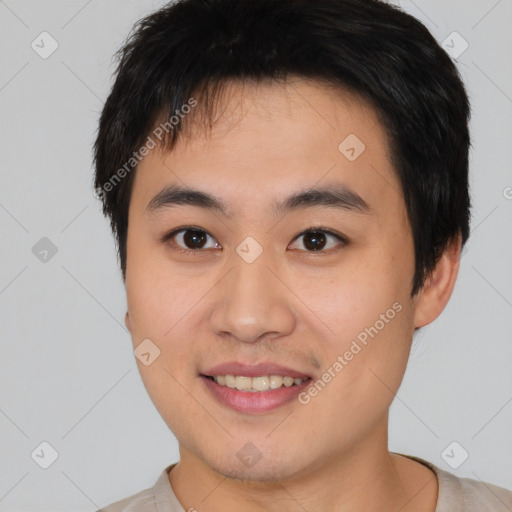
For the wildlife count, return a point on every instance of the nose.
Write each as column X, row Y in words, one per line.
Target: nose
column 253, row 303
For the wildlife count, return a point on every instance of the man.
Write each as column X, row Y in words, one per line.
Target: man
column 288, row 185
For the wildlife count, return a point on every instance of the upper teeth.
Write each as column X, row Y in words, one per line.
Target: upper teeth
column 262, row 383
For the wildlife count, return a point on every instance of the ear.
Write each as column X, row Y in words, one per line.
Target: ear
column 438, row 287
column 127, row 321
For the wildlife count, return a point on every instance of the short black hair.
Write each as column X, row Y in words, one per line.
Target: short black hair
column 194, row 48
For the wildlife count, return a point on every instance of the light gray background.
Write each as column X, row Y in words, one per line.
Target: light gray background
column 68, row 374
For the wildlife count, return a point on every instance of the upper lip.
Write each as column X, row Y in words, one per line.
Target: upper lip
column 253, row 370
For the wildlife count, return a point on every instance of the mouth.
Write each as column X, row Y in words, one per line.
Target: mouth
column 253, row 392
column 256, row 384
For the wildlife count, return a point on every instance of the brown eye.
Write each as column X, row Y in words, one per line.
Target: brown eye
column 194, row 239
column 316, row 240
column 190, row 239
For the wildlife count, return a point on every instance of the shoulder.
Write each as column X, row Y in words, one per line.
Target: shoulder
column 149, row 500
column 475, row 495
column 457, row 494
column 143, row 501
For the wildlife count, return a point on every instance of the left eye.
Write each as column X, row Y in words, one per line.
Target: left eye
column 316, row 240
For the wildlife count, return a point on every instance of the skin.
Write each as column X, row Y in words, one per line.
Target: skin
column 291, row 306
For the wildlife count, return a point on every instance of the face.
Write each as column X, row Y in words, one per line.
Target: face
column 320, row 289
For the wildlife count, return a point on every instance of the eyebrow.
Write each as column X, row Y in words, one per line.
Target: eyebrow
column 334, row 196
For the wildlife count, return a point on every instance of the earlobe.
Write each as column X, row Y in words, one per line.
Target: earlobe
column 127, row 321
column 438, row 287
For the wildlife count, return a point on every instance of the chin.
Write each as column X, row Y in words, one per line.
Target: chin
column 266, row 466
column 260, row 473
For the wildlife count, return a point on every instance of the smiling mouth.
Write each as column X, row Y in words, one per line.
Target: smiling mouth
column 257, row 384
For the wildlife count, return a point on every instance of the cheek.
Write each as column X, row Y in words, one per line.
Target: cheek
column 368, row 312
column 158, row 294
column 159, row 314
column 362, row 374
column 161, row 305
column 351, row 296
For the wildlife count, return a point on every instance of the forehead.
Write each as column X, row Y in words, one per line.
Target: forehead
column 267, row 140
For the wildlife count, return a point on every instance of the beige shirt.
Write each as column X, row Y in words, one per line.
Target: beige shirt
column 455, row 495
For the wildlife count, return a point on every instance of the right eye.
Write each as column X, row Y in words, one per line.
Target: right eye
column 189, row 239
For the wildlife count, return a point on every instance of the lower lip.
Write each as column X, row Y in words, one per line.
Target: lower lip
column 257, row 402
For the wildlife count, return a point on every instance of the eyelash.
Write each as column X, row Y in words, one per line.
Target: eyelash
column 313, row 229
